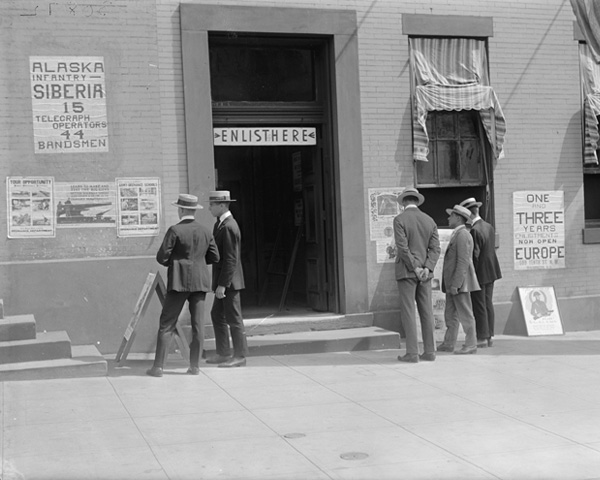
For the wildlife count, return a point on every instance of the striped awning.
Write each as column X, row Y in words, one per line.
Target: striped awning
column 590, row 85
column 451, row 74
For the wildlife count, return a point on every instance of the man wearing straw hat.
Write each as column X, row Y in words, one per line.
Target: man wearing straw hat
column 488, row 271
column 227, row 283
column 418, row 250
column 186, row 250
column 458, row 280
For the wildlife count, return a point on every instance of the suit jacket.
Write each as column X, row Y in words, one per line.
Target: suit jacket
column 186, row 250
column 458, row 269
column 485, row 260
column 417, row 243
column 227, row 272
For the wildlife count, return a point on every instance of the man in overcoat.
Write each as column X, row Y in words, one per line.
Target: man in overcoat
column 186, row 250
column 488, row 271
column 227, row 283
column 458, row 280
column 417, row 252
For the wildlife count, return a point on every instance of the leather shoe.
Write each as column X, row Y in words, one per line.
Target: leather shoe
column 218, row 359
column 490, row 342
column 193, row 370
column 482, row 343
column 466, row 351
column 445, row 348
column 428, row 357
column 234, row 362
column 409, row 358
column 155, row 372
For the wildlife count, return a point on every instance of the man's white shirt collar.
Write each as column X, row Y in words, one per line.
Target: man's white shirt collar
column 188, row 217
column 225, row 215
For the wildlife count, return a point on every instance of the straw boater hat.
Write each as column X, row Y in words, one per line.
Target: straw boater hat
column 220, row 196
column 470, row 202
column 411, row 192
column 459, row 210
column 187, row 201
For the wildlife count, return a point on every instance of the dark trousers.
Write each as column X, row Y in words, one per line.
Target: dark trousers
column 411, row 289
column 483, row 310
column 172, row 307
column 226, row 317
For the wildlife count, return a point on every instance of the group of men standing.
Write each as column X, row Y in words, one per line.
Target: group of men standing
column 469, row 271
column 187, row 249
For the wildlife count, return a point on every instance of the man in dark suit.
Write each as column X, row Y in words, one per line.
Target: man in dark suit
column 186, row 250
column 227, row 283
column 488, row 271
column 458, row 280
column 417, row 252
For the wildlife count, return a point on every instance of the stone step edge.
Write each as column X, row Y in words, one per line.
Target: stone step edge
column 259, row 344
column 85, row 357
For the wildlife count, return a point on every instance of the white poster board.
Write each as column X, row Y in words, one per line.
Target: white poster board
column 68, row 99
column 540, row 311
column 539, row 230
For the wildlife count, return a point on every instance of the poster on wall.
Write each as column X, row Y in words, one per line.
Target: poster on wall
column 30, row 207
column 383, row 207
column 85, row 204
column 539, row 230
column 138, row 207
column 68, row 97
column 540, row 310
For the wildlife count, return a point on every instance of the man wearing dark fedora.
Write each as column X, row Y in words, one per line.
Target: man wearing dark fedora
column 227, row 283
column 458, row 281
column 488, row 271
column 417, row 252
column 186, row 250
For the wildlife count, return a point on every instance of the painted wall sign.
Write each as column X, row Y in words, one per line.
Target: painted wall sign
column 539, row 230
column 30, row 204
column 68, row 98
column 232, row 136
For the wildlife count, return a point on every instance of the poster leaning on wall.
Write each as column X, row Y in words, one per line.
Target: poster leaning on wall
column 540, row 311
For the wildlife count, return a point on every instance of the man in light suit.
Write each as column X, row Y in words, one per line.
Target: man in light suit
column 488, row 271
column 186, row 250
column 417, row 252
column 458, row 280
column 227, row 283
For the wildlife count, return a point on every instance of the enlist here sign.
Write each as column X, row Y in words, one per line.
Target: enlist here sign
column 232, row 136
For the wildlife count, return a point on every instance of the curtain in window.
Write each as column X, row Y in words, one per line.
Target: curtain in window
column 451, row 74
column 587, row 13
column 590, row 84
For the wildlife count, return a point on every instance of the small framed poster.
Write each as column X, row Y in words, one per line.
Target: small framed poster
column 540, row 311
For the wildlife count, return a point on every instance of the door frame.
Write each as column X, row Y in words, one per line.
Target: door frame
column 341, row 27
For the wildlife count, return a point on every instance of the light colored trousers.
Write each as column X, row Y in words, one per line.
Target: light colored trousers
column 459, row 309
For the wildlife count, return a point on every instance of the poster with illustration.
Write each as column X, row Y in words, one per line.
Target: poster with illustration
column 85, row 204
column 30, row 204
column 383, row 209
column 138, row 207
column 540, row 310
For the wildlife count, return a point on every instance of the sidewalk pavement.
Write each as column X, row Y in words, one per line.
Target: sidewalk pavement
column 527, row 408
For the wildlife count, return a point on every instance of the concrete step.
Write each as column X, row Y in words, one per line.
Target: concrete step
column 346, row 340
column 46, row 346
column 17, row 327
column 86, row 361
column 291, row 322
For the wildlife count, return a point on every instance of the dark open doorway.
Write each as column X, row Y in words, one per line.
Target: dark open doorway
column 279, row 192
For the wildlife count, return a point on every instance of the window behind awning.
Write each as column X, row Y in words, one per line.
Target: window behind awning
column 452, row 74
